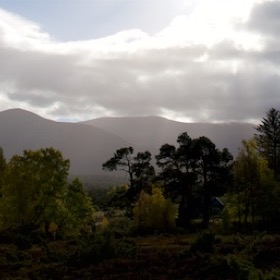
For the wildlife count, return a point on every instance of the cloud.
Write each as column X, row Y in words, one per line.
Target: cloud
column 200, row 67
column 17, row 32
column 265, row 18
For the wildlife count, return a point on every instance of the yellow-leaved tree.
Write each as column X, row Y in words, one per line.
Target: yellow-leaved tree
column 154, row 211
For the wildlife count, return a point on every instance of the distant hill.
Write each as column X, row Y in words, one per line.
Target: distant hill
column 86, row 146
column 153, row 132
column 89, row 144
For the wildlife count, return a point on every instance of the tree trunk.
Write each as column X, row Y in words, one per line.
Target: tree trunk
column 185, row 209
column 206, row 209
column 183, row 214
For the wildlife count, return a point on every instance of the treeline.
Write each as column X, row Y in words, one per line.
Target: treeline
column 192, row 173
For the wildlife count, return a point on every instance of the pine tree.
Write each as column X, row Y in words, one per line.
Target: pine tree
column 268, row 139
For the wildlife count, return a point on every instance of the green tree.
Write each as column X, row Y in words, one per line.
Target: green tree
column 255, row 188
column 34, row 183
column 268, row 139
column 36, row 195
column 79, row 208
column 117, row 196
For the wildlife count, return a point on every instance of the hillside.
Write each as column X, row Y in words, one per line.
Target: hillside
column 89, row 144
column 152, row 132
column 87, row 147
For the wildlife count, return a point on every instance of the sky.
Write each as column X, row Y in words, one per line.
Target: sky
column 191, row 61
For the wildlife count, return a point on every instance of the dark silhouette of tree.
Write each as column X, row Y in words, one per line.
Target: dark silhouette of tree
column 168, row 160
column 268, row 139
column 195, row 164
column 177, row 175
column 212, row 168
column 143, row 171
column 122, row 160
column 139, row 169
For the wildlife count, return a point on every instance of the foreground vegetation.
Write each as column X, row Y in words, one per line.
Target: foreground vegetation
column 202, row 255
column 161, row 225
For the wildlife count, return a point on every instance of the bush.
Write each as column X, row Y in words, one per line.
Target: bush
column 249, row 244
column 101, row 247
column 226, row 219
column 120, row 226
column 23, row 242
column 204, row 243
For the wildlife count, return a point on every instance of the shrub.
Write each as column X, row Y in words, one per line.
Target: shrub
column 121, row 226
column 23, row 242
column 101, row 247
column 204, row 243
column 226, row 219
column 249, row 244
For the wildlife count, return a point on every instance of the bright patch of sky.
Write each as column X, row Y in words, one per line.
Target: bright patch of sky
column 193, row 60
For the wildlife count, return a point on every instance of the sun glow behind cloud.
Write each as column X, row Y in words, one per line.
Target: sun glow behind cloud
column 198, row 57
column 209, row 23
column 212, row 22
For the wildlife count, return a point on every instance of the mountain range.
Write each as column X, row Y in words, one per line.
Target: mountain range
column 90, row 143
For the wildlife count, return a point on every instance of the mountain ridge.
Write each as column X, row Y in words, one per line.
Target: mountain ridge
column 155, row 131
column 90, row 143
column 87, row 148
